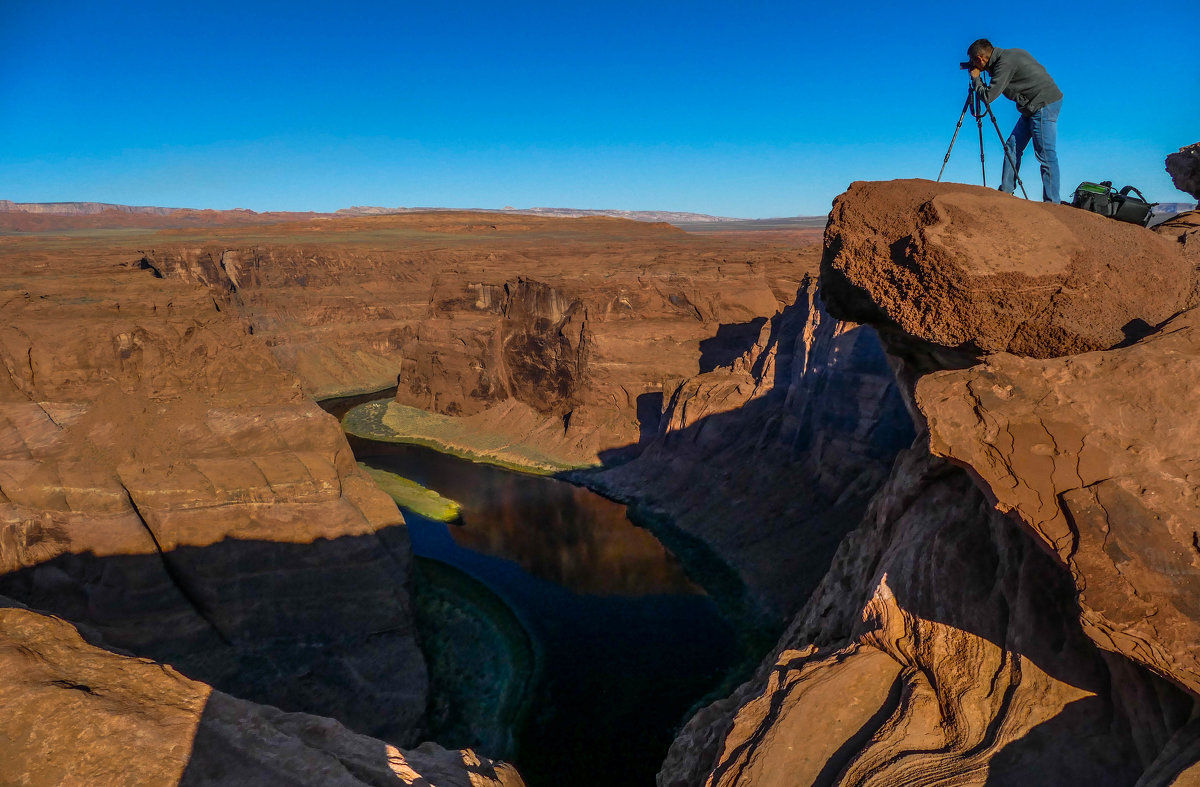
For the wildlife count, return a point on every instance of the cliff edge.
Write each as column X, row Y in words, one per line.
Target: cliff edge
column 1019, row 604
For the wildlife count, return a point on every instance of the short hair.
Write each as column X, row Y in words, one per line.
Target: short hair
column 980, row 47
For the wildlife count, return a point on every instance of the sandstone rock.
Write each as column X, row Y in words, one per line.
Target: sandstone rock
column 1184, row 169
column 973, row 269
column 1184, row 229
column 771, row 457
column 939, row 648
column 165, row 482
column 79, row 715
column 1088, row 452
column 575, row 320
column 946, row 644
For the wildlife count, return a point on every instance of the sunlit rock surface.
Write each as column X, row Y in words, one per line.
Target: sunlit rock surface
column 1024, row 613
column 166, row 483
column 1096, row 455
column 590, row 342
column 960, row 267
column 75, row 714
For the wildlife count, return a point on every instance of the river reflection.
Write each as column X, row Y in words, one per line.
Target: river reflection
column 628, row 642
column 554, row 530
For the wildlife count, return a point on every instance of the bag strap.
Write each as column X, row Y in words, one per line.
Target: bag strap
column 1125, row 192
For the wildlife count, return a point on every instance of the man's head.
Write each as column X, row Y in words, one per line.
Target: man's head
column 979, row 53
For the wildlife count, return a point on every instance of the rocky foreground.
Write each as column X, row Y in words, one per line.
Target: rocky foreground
column 1019, row 603
column 953, row 450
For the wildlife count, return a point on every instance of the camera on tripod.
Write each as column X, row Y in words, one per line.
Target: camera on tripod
column 978, row 106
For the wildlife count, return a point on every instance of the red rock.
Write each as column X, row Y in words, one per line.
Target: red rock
column 1184, row 169
column 165, row 481
column 1090, row 454
column 1044, row 632
column 970, row 268
column 75, row 714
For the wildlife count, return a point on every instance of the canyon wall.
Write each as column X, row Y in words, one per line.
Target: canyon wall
column 958, row 470
column 167, row 487
column 771, row 456
column 582, row 324
column 754, row 421
column 1017, row 606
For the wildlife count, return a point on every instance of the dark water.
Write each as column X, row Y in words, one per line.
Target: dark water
column 629, row 642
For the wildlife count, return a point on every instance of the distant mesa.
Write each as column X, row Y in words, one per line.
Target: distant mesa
column 48, row 216
column 79, row 208
column 672, row 217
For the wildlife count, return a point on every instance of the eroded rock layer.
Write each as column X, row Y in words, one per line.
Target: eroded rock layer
column 771, row 457
column 79, row 715
column 1090, row 452
column 596, row 341
column 940, row 648
column 166, row 484
column 1017, row 605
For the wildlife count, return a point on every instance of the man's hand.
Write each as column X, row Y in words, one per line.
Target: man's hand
column 975, row 72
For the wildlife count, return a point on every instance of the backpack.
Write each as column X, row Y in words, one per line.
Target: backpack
column 1102, row 198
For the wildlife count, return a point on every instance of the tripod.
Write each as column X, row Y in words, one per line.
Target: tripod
column 978, row 108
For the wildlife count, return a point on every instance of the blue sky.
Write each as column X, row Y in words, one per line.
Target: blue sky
column 749, row 109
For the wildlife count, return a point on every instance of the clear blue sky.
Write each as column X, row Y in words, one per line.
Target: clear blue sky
column 749, row 109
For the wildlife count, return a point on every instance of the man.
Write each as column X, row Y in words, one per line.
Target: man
column 1017, row 76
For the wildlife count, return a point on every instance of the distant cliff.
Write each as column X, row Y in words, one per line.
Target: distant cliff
column 79, row 208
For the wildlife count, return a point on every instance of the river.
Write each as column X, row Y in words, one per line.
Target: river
column 628, row 643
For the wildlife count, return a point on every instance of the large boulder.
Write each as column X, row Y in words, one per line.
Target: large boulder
column 1184, row 169
column 973, row 269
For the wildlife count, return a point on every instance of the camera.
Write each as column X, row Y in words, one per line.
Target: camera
column 965, row 66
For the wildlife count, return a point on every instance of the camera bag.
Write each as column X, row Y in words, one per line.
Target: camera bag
column 1121, row 205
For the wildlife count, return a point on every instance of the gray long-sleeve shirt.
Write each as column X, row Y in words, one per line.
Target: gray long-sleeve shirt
column 1017, row 76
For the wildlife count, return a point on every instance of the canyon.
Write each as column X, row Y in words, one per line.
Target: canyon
column 943, row 452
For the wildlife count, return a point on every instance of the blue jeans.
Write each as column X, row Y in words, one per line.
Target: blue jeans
column 1042, row 128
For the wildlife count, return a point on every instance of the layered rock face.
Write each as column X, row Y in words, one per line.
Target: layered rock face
column 166, row 486
column 1018, row 604
column 771, row 457
column 605, row 340
column 573, row 325
column 76, row 715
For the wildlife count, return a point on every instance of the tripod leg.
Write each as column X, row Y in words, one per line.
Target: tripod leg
column 979, row 124
column 1007, row 154
column 961, row 115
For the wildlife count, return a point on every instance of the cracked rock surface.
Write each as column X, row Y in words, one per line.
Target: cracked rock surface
column 1096, row 455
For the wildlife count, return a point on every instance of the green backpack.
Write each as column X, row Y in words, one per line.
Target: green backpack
column 1102, row 198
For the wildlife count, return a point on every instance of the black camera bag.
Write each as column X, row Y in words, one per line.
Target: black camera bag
column 1102, row 198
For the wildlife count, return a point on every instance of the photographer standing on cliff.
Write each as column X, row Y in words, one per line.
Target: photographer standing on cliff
column 1017, row 76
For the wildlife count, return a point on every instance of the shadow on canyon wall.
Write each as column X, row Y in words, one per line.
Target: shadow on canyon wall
column 777, row 482
column 323, row 628
column 771, row 454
